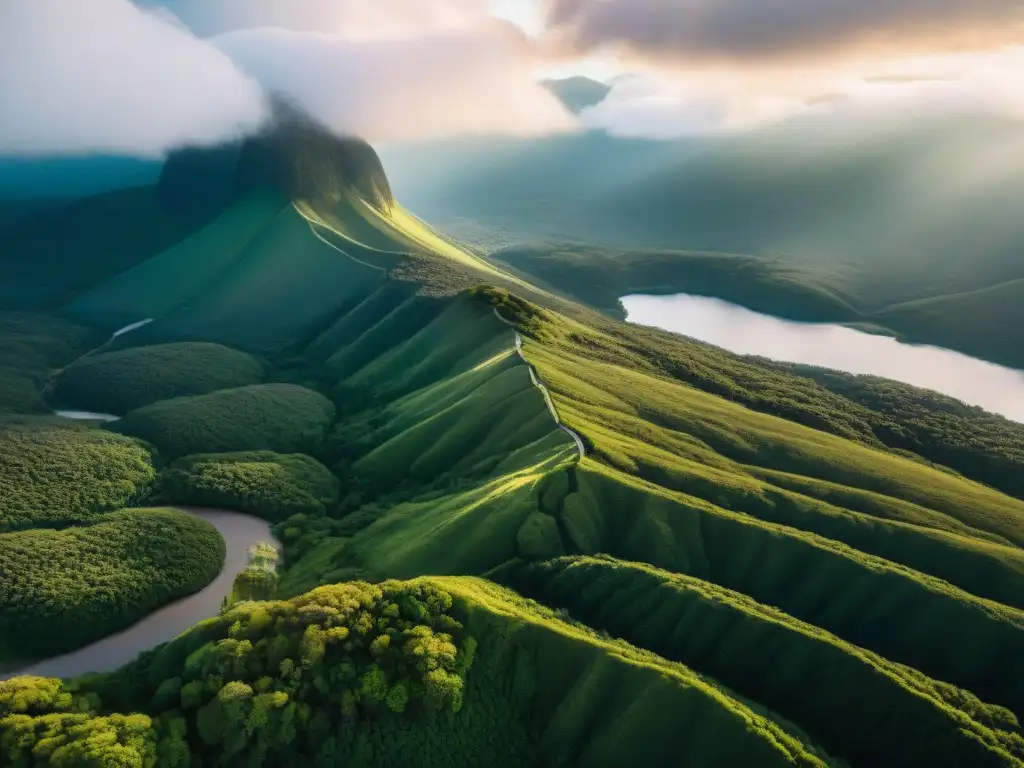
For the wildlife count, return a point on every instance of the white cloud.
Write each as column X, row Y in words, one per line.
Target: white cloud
column 473, row 80
column 670, row 104
column 105, row 76
column 351, row 18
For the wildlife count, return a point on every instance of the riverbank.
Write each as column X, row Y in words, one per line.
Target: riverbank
column 240, row 533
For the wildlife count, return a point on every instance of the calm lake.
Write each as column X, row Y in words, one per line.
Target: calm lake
column 993, row 387
column 239, row 531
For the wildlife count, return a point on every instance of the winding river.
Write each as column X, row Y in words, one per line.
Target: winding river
column 239, row 531
column 993, row 387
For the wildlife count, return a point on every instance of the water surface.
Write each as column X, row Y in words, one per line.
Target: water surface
column 87, row 416
column 993, row 387
column 239, row 531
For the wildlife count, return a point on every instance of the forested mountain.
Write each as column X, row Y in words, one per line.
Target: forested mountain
column 913, row 223
column 516, row 531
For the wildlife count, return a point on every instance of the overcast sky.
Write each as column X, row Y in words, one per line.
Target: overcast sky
column 143, row 77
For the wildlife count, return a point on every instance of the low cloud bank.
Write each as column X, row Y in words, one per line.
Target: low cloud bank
column 447, row 83
column 105, row 76
column 113, row 77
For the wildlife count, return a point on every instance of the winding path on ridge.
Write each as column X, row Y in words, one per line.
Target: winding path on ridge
column 541, row 386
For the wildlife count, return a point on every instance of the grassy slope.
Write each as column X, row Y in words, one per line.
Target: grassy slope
column 158, row 284
column 984, row 323
column 83, row 247
column 456, row 427
column 537, row 690
column 861, row 705
column 904, row 578
column 123, row 380
column 64, row 589
column 273, row 417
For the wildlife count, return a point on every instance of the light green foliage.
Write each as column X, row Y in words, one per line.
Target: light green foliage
column 270, row 680
column 272, row 417
column 258, row 580
column 55, row 475
column 44, row 722
column 123, row 380
column 272, row 485
column 61, row 589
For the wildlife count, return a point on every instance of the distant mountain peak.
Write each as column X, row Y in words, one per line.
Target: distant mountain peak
column 294, row 154
column 578, row 93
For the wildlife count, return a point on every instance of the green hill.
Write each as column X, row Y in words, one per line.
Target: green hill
column 490, row 679
column 615, row 544
column 272, row 485
column 64, row 589
column 871, row 211
column 267, row 417
column 121, row 381
column 53, row 474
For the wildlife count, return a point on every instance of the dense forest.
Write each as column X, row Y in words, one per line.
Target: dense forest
column 123, row 380
column 55, row 474
column 271, row 485
column 63, row 589
column 267, row 417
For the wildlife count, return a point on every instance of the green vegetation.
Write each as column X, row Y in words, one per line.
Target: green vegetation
column 599, row 277
column 270, row 680
column 121, row 381
column 440, row 671
column 64, row 589
column 32, row 345
column 53, row 475
column 46, row 262
column 258, row 580
column 856, row 210
column 981, row 445
column 271, row 485
column 804, row 569
column 268, row 417
column 901, row 717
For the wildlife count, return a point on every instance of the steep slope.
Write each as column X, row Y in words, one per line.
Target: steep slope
column 790, row 589
column 886, row 214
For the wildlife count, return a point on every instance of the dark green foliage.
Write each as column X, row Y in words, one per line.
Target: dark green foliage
column 48, row 261
column 599, row 277
column 55, row 475
column 273, row 486
column 978, row 444
column 538, row 538
column 123, row 380
column 857, row 704
column 64, row 589
column 272, row 417
column 32, row 345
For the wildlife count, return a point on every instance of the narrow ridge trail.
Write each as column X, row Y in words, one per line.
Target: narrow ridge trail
column 543, row 389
